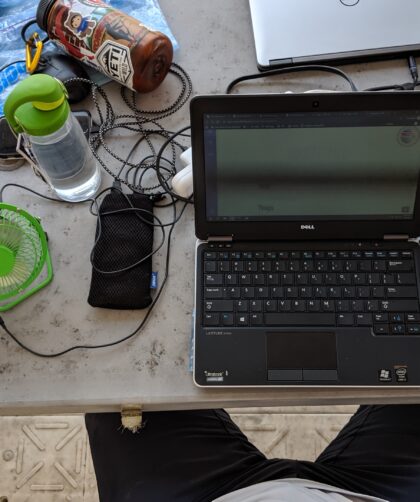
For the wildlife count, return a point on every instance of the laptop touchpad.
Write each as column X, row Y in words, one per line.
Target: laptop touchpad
column 307, row 356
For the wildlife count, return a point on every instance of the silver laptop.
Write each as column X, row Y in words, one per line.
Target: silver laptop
column 288, row 32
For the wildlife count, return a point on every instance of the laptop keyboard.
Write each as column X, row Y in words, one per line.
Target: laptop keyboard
column 312, row 288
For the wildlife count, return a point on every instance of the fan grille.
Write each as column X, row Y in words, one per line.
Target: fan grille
column 19, row 235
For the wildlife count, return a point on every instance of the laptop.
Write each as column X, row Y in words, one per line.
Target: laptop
column 291, row 32
column 306, row 210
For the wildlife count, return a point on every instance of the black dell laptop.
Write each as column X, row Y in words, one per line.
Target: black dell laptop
column 307, row 264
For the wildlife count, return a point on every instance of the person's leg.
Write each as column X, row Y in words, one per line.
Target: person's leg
column 376, row 453
column 180, row 456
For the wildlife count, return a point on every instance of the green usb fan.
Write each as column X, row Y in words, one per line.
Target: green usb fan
column 23, row 255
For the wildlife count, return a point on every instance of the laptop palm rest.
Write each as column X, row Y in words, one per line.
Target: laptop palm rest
column 301, row 356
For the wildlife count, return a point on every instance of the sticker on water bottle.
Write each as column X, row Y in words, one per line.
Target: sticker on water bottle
column 115, row 60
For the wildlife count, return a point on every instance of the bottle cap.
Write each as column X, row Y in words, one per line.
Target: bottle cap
column 42, row 12
column 37, row 105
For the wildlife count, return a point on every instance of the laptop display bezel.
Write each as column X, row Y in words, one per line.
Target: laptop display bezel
column 283, row 103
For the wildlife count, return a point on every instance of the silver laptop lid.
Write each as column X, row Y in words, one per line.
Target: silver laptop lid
column 304, row 31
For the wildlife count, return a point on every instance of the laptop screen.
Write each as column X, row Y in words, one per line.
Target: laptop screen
column 313, row 166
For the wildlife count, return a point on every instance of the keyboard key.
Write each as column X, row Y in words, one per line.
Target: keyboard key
column 212, row 319
column 245, row 279
column 242, row 319
column 406, row 279
column 388, row 279
column 363, row 319
column 398, row 329
column 258, row 279
column 331, row 279
column 320, row 292
column 365, row 266
column 345, row 320
column 292, row 292
column 213, row 279
column 412, row 317
column 373, row 279
column 285, row 305
column 256, row 319
column 227, row 319
column 302, row 279
column 299, row 305
column 256, row 305
column 372, row 305
column 233, row 292
column 265, row 266
column 321, row 266
column 299, row 319
column 399, row 305
column 316, row 278
column 238, row 266
column 210, row 293
column 380, row 317
column 400, row 265
column 286, row 279
column 231, row 279
column 344, row 279
column 305, row 292
column 359, row 278
column 378, row 292
column 210, row 266
column 210, row 255
column 334, row 292
column 270, row 305
column 241, row 305
column 224, row 266
column 342, row 306
column 248, row 292
column 398, row 318
column 336, row 265
column 251, row 266
column 413, row 329
column 402, row 292
column 218, row 306
column 314, row 305
column 277, row 292
column 379, row 266
column 381, row 329
column 357, row 306
column 273, row 279
column 261, row 292
column 327, row 305
column 363, row 292
column 349, row 292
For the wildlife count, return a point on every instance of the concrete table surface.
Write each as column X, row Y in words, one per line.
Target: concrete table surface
column 216, row 46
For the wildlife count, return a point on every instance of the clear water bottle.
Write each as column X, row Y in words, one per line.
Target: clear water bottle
column 38, row 107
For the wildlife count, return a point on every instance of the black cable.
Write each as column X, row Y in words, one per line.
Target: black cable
column 25, row 27
column 120, row 340
column 162, row 181
column 292, row 69
column 12, row 63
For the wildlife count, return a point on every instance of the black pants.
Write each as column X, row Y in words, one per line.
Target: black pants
column 189, row 456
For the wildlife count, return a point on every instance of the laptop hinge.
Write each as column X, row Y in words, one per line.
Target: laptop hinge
column 396, row 237
column 220, row 238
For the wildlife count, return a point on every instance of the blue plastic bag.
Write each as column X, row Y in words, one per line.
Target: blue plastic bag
column 15, row 13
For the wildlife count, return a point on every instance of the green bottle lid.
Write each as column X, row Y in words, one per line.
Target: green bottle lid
column 37, row 105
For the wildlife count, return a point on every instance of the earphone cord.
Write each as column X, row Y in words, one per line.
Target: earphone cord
column 147, row 217
column 176, row 218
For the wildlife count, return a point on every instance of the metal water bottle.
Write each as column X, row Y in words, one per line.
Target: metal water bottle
column 109, row 40
column 37, row 107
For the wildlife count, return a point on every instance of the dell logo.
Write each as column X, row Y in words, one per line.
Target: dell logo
column 307, row 227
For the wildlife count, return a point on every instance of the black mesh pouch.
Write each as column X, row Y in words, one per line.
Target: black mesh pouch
column 124, row 239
